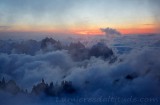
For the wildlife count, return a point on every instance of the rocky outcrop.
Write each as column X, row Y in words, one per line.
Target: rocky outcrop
column 41, row 88
column 49, row 44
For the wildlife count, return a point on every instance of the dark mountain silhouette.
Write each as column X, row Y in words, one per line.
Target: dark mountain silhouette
column 101, row 50
column 41, row 88
column 9, row 86
column 78, row 51
column 49, row 44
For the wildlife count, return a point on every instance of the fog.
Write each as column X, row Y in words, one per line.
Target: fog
column 95, row 70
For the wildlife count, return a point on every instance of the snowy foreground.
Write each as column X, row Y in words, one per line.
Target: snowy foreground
column 125, row 73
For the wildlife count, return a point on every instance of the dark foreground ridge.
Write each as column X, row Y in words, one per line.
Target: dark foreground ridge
column 41, row 88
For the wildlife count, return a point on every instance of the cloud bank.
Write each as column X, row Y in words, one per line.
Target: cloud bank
column 133, row 74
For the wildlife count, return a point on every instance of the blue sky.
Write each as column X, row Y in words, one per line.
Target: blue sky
column 78, row 14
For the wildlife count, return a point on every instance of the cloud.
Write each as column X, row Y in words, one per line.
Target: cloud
column 110, row 32
column 57, row 65
column 51, row 66
column 133, row 74
column 142, row 66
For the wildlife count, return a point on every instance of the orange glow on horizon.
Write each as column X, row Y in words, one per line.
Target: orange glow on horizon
column 83, row 31
column 87, row 32
column 138, row 31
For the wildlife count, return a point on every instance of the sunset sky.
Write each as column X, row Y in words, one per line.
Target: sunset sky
column 80, row 16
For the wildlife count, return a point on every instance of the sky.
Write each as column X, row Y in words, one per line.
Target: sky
column 80, row 16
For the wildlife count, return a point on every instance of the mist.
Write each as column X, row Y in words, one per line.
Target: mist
column 95, row 69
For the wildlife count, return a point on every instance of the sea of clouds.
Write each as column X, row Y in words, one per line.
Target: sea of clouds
column 135, row 74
